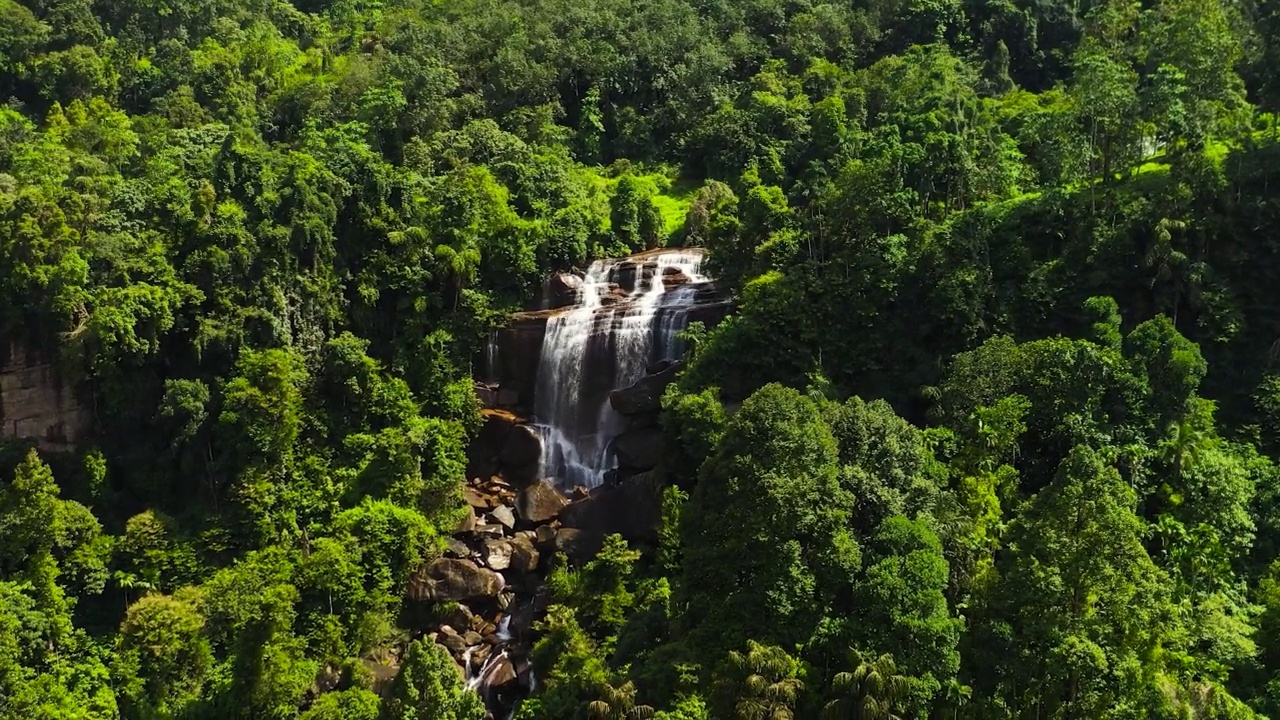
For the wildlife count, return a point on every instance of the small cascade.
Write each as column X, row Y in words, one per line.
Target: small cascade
column 623, row 320
column 491, row 357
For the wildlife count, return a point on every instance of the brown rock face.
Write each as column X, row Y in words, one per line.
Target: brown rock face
column 639, row 449
column 453, row 579
column 632, row 508
column 539, row 502
column 36, row 404
column 482, row 454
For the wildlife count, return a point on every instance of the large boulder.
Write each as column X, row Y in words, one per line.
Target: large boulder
column 488, row 444
column 632, row 508
column 645, row 396
column 453, row 579
column 639, row 448
column 496, row 553
column 523, row 446
column 524, row 556
column 540, row 502
column 560, row 290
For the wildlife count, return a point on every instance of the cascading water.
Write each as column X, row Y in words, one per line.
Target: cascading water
column 623, row 320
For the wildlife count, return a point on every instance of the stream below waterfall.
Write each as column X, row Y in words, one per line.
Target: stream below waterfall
column 626, row 316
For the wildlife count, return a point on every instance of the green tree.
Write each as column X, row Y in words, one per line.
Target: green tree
column 1081, row 601
column 766, row 541
column 429, row 687
column 764, row 683
column 163, row 657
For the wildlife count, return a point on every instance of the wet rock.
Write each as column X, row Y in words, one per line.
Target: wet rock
column 497, row 554
column 639, row 449
column 645, row 395
column 502, row 674
column 453, row 579
column 524, row 556
column 613, row 296
column 539, row 503
column 522, row 447
column 504, row 516
column 673, row 277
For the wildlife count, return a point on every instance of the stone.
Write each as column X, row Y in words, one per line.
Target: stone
column 478, row 657
column 466, row 523
column 490, row 530
column 545, row 535
column 503, row 515
column 645, row 395
column 539, row 503
column 638, row 449
column 452, row 642
column 632, row 508
column 487, row 445
column 456, row 548
column 524, row 556
column 453, row 579
column 523, row 446
column 472, row 638
column 496, row 554
column 560, row 290
column 570, row 542
column 673, row 277
column 478, row 499
column 458, row 616
column 522, row 474
column 501, row 675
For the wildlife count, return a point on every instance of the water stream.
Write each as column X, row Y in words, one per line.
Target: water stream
column 623, row 320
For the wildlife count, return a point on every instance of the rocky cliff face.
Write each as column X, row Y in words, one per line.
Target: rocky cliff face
column 36, row 404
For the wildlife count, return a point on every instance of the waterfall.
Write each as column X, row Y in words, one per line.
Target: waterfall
column 622, row 320
column 491, row 357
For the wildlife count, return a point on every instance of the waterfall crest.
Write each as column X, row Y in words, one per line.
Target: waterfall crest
column 626, row 316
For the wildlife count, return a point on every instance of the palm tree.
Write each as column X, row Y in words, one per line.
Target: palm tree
column 956, row 694
column 760, row 685
column 460, row 263
column 871, row 692
column 618, row 703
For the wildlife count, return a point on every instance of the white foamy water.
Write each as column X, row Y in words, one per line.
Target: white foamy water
column 622, row 321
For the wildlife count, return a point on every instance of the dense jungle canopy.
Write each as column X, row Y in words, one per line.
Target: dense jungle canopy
column 991, row 432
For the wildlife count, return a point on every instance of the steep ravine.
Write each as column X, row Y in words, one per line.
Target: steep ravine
column 566, row 456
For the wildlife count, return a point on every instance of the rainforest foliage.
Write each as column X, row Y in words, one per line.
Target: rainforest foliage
column 992, row 431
